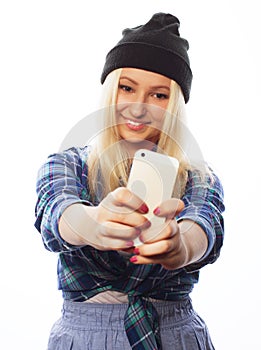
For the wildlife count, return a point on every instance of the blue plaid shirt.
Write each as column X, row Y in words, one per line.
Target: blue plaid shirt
column 84, row 271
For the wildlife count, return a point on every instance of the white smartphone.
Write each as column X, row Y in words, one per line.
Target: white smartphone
column 152, row 178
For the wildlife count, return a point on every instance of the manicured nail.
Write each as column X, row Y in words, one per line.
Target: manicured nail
column 156, row 211
column 141, row 239
column 133, row 259
column 136, row 251
column 143, row 208
column 146, row 225
column 129, row 244
column 138, row 231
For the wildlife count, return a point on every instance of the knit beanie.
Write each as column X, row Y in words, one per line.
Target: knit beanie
column 155, row 46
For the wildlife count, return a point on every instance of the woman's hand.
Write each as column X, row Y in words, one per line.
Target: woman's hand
column 112, row 225
column 177, row 244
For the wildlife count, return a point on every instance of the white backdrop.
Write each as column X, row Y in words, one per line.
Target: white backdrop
column 52, row 54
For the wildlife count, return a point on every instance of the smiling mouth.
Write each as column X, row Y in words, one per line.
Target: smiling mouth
column 136, row 126
column 132, row 122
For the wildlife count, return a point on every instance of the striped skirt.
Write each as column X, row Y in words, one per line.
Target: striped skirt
column 89, row 326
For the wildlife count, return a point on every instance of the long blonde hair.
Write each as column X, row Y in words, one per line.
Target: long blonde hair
column 109, row 163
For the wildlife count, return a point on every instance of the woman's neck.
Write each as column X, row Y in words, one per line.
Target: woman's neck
column 133, row 147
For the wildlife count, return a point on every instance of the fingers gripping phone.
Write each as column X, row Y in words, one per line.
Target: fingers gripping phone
column 152, row 178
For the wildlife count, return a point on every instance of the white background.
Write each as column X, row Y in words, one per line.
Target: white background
column 52, row 54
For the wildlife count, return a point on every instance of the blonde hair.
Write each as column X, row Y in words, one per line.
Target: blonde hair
column 109, row 163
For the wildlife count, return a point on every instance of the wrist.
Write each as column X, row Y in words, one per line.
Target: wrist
column 194, row 241
column 74, row 223
column 186, row 249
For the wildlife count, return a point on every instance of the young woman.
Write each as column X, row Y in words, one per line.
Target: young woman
column 116, row 295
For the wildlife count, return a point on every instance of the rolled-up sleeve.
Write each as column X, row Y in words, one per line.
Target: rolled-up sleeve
column 61, row 181
column 204, row 205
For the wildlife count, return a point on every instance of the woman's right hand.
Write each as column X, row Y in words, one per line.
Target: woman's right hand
column 112, row 225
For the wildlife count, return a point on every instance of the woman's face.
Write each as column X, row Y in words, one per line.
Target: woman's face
column 142, row 99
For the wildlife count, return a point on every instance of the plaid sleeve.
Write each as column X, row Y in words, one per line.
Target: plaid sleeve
column 204, row 205
column 61, row 181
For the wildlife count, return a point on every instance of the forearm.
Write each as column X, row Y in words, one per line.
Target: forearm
column 75, row 221
column 194, row 239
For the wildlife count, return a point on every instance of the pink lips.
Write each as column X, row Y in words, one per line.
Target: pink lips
column 135, row 127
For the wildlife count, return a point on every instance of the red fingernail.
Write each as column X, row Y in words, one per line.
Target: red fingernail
column 156, row 211
column 138, row 231
column 143, row 208
column 133, row 259
column 146, row 225
column 129, row 244
column 136, row 251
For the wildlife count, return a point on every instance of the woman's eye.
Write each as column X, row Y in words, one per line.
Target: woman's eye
column 125, row 88
column 161, row 96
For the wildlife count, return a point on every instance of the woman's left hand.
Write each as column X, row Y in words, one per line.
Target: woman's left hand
column 168, row 248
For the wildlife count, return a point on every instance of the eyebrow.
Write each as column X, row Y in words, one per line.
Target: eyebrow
column 151, row 87
column 131, row 80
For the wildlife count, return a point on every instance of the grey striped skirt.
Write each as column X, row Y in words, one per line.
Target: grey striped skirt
column 87, row 326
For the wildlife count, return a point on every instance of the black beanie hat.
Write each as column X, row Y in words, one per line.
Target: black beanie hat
column 155, row 46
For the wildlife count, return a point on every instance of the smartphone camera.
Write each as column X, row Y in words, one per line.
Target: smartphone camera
column 143, row 154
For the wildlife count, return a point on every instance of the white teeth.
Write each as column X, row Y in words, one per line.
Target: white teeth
column 134, row 123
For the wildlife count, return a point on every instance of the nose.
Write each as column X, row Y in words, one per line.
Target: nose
column 138, row 109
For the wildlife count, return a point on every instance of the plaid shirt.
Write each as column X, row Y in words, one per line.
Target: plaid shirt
column 84, row 271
